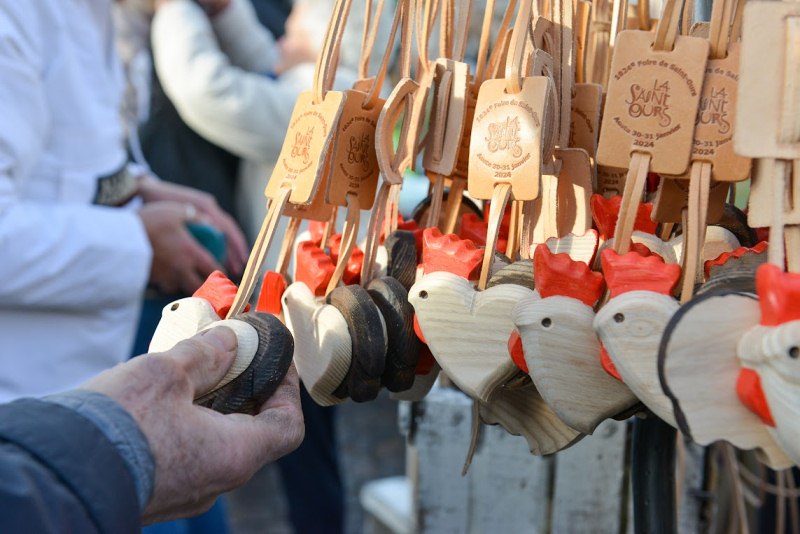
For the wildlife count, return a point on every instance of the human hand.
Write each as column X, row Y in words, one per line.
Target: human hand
column 199, row 453
column 207, row 211
column 180, row 263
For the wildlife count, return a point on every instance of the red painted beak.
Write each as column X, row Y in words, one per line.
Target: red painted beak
column 748, row 387
column 516, row 352
column 608, row 365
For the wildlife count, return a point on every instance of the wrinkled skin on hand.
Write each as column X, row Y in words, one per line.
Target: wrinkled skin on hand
column 200, row 453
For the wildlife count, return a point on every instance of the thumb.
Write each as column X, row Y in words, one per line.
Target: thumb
column 206, row 357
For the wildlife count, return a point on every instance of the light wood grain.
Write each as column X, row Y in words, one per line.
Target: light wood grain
column 523, row 412
column 322, row 349
column 699, row 369
column 630, row 328
column 563, row 357
column 466, row 330
column 186, row 317
column 768, row 350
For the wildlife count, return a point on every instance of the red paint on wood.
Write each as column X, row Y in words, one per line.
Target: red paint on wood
column 653, row 181
column 272, row 287
column 475, row 229
column 762, row 233
column 558, row 274
column 608, row 365
column 748, row 388
column 352, row 272
column 425, row 362
column 633, row 272
column 314, row 268
column 605, row 213
column 219, row 291
column 778, row 294
column 451, row 254
column 317, row 230
column 723, row 258
column 516, row 352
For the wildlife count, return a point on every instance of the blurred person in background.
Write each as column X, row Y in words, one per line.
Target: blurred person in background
column 82, row 230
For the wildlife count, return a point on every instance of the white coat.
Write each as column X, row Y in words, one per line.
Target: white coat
column 71, row 273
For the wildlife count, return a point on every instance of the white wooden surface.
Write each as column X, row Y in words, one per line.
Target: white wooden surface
column 583, row 489
column 589, row 480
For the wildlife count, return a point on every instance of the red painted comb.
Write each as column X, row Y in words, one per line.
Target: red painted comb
column 314, row 268
column 723, row 258
column 316, row 229
column 451, row 254
column 748, row 389
column 579, row 247
column 558, row 274
column 634, row 272
column 410, row 225
column 352, row 272
column 778, row 294
column 516, row 352
column 272, row 288
column 219, row 292
column 475, row 229
column 605, row 213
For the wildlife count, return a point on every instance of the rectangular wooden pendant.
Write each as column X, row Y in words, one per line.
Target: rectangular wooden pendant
column 652, row 102
column 586, row 108
column 672, row 198
column 506, row 140
column 307, row 141
column 354, row 165
column 768, row 80
column 447, row 122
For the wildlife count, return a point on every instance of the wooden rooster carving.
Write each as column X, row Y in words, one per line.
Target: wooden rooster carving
column 561, row 348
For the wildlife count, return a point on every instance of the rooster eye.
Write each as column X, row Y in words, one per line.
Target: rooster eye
column 174, row 306
column 618, row 317
column 794, row 352
column 423, row 294
column 546, row 322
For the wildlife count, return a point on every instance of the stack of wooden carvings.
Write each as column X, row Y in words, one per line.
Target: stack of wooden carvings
column 608, row 274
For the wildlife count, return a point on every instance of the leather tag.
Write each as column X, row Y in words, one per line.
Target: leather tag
column 506, row 140
column 610, row 180
column 305, row 147
column 586, row 108
column 764, row 70
column 713, row 133
column 652, row 102
column 672, row 198
column 447, row 118
column 354, row 165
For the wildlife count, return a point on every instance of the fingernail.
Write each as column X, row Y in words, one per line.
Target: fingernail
column 221, row 337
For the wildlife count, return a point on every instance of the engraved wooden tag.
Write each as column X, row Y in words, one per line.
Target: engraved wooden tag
column 586, row 108
column 506, row 140
column 610, row 180
column 318, row 209
column 652, row 102
column 354, row 167
column 308, row 138
column 765, row 78
column 713, row 133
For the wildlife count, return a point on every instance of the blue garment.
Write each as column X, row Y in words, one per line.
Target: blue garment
column 72, row 463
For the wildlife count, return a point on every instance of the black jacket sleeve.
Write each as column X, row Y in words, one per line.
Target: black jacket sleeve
column 59, row 473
